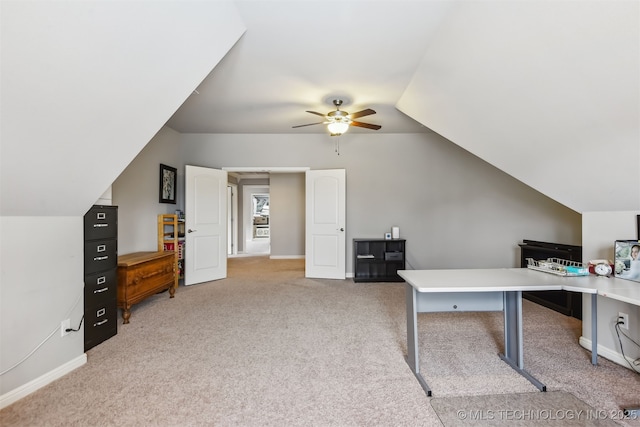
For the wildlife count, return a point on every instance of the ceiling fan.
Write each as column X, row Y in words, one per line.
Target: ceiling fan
column 338, row 121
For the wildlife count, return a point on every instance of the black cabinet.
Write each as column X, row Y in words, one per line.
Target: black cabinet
column 378, row 260
column 100, row 274
column 565, row 302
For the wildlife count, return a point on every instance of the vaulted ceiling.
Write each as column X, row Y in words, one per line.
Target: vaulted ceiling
column 300, row 55
column 539, row 89
column 546, row 90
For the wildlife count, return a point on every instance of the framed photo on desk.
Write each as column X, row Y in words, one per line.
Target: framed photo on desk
column 627, row 259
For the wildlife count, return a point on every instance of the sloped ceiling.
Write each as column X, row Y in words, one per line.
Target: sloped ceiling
column 547, row 91
column 86, row 85
column 300, row 55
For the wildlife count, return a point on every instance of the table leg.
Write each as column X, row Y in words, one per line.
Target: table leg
column 513, row 337
column 413, row 359
column 594, row 329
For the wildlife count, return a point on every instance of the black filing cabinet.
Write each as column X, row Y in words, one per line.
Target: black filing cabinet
column 100, row 274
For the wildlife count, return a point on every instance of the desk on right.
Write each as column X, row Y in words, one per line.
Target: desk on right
column 625, row 291
column 500, row 290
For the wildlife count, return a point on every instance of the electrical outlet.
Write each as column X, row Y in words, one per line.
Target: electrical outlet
column 623, row 318
column 64, row 325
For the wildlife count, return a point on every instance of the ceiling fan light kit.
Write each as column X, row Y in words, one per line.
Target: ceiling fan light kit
column 338, row 121
column 338, row 128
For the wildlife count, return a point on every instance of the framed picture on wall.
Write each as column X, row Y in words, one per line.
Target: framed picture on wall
column 167, row 184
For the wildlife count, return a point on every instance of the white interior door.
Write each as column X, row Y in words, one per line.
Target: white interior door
column 232, row 219
column 325, row 224
column 206, row 225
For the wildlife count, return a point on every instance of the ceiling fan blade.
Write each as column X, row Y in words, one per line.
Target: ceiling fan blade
column 310, row 124
column 366, row 125
column 316, row 113
column 363, row 113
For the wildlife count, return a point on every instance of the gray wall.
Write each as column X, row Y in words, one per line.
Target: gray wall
column 287, row 214
column 454, row 209
column 135, row 192
column 42, row 285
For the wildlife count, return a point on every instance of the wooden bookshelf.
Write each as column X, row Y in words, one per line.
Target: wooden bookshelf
column 169, row 240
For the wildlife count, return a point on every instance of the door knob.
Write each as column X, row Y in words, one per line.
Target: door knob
column 341, row 229
column 191, row 231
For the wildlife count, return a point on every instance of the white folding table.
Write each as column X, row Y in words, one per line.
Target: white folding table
column 501, row 289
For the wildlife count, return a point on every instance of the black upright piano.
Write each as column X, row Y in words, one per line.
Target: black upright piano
column 565, row 302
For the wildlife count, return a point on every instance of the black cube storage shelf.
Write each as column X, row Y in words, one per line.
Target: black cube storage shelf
column 378, row 260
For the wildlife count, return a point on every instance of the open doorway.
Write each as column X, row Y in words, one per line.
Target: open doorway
column 296, row 202
column 249, row 221
column 257, row 236
column 277, row 231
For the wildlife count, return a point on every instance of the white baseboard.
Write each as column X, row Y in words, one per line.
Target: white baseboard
column 28, row 388
column 607, row 353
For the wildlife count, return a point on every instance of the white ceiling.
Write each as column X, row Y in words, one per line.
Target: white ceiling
column 538, row 89
column 496, row 78
column 300, row 55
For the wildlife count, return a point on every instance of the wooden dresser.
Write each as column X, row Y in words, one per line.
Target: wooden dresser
column 142, row 274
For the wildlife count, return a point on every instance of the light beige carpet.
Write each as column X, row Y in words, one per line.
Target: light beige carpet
column 556, row 408
column 269, row 347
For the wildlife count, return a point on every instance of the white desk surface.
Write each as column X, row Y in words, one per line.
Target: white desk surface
column 628, row 291
column 519, row 279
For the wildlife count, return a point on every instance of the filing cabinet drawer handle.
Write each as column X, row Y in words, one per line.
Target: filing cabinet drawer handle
column 100, row 225
column 100, row 323
column 100, row 258
column 99, row 291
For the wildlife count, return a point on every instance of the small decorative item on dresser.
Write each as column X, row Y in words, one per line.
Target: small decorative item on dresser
column 395, row 232
column 387, row 236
